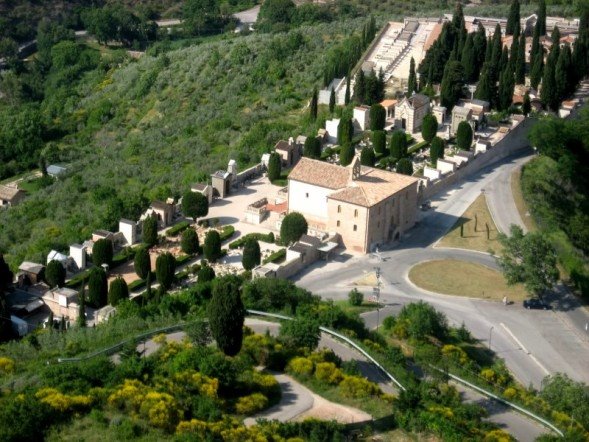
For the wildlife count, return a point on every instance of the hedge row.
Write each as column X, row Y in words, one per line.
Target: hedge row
column 227, row 233
column 277, row 256
column 178, row 228
column 269, row 238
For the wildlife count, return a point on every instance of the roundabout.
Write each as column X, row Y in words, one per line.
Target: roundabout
column 464, row 278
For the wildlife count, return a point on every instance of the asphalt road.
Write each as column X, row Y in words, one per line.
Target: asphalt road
column 533, row 343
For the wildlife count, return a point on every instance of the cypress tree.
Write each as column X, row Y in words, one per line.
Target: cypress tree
column 479, row 49
column 345, row 131
column 535, row 43
column 436, row 150
column 537, row 70
column 468, row 59
column 398, row 147
column 486, row 89
column 55, row 274
column 404, row 166
column 527, row 106
column 541, row 22
column 142, row 262
column 189, row 242
column 367, row 157
column 226, row 314
column 513, row 51
column 378, row 116
column 212, row 246
column 429, row 127
column 312, row 148
column 165, row 268
column 555, row 48
column 451, row 87
column 489, row 50
column 97, row 287
column 561, row 78
column 346, row 154
column 118, row 291
column 331, row 101
column 506, row 85
column 513, row 19
column 570, row 70
column 251, row 254
column 149, row 231
column 274, row 166
column 548, row 92
column 379, row 141
column 497, row 51
column 313, row 106
column 347, row 96
column 464, row 136
column 380, row 84
column 412, row 82
column 458, row 17
column 504, row 59
column 360, row 87
column 82, row 306
column 520, row 62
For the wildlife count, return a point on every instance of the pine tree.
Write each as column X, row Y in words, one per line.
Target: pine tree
column 360, row 87
column 412, row 82
column 520, row 62
column 331, row 101
column 313, row 105
column 513, row 19
column 468, row 59
column 541, row 22
column 347, row 96
column 486, row 89
column 506, row 85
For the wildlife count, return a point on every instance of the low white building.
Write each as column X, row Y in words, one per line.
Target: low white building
column 331, row 128
column 362, row 117
column 445, row 166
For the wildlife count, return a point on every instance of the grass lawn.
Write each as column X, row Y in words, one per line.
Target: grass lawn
column 520, row 202
column 474, row 222
column 365, row 307
column 461, row 278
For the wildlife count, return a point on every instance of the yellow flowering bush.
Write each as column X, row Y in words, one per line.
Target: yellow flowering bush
column 510, row 393
column 443, row 411
column 357, row 387
column 455, row 353
column 161, row 410
column 266, row 383
column 256, row 345
column 128, row 396
column 328, row 372
column 62, row 402
column 241, row 433
column 497, row 436
column 251, row 404
column 6, row 366
column 300, row 366
column 488, row 374
column 194, row 426
column 192, row 381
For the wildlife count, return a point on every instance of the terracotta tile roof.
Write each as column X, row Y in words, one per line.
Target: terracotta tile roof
column 433, row 36
column 388, row 103
column 320, row 174
column 352, row 195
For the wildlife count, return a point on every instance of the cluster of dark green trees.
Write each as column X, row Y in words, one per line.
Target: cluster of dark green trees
column 369, row 89
column 342, row 58
column 458, row 58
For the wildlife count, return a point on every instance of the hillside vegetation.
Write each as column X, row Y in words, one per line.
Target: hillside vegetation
column 150, row 128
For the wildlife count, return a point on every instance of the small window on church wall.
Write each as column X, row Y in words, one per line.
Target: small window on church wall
column 338, row 222
column 306, row 195
column 339, row 209
column 356, row 213
column 355, row 227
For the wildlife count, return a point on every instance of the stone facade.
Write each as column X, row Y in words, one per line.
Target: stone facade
column 409, row 112
column 361, row 205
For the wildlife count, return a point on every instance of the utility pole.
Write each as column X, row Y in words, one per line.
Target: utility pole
column 376, row 291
